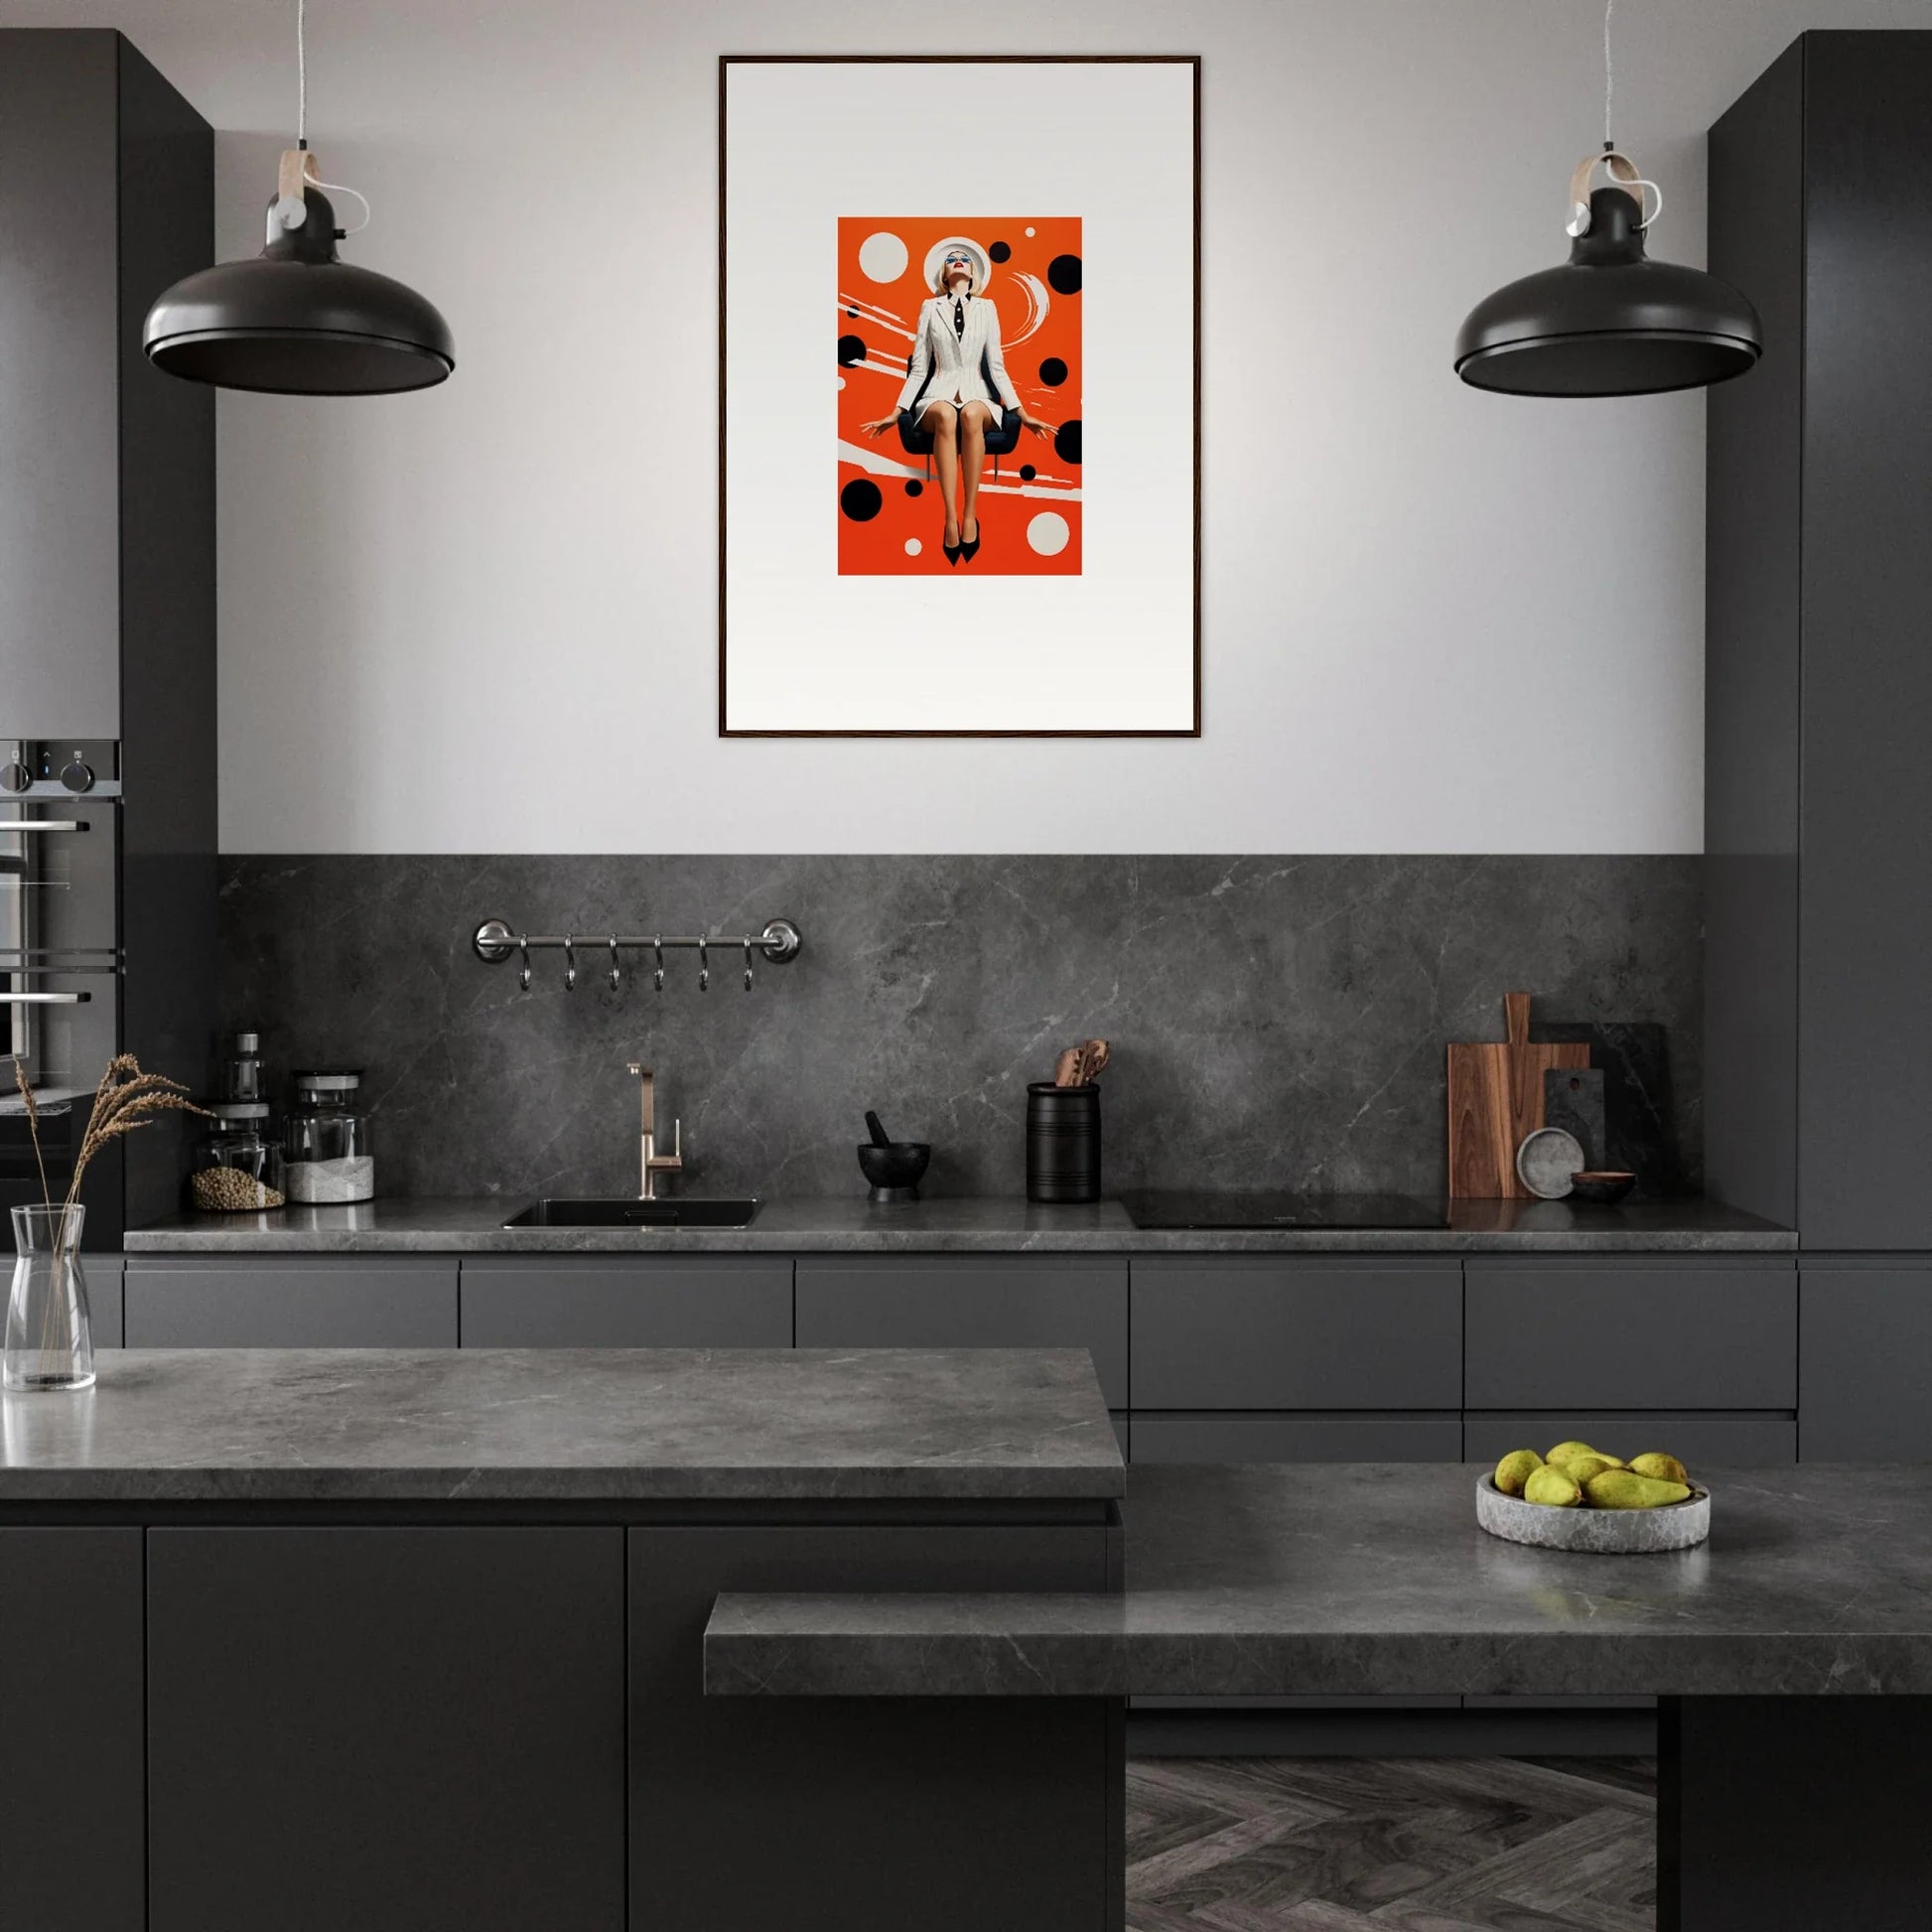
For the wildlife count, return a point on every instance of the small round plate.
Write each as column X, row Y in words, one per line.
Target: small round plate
column 1594, row 1532
column 1546, row 1160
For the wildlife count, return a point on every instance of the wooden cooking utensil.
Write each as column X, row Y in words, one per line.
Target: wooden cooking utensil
column 1066, row 1069
column 1495, row 1099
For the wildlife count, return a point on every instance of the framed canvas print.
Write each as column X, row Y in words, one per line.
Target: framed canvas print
column 959, row 396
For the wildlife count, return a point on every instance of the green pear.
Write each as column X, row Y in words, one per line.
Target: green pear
column 1666, row 1468
column 1580, row 1468
column 1515, row 1470
column 1626, row 1489
column 1550, row 1485
column 1565, row 1450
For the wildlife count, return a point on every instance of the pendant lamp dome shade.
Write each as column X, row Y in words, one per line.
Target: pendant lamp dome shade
column 297, row 319
column 1609, row 321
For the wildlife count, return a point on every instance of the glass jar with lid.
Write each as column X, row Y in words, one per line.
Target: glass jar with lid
column 237, row 1167
column 329, row 1154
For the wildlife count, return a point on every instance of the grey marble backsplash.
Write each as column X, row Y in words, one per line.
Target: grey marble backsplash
column 1276, row 1022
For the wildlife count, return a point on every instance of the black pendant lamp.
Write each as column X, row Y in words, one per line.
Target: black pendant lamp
column 1609, row 321
column 297, row 319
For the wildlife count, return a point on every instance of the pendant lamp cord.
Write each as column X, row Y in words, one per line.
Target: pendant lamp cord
column 302, row 71
column 1610, row 74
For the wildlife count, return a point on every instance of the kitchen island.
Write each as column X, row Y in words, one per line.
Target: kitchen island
column 1793, row 1651
column 413, row 1639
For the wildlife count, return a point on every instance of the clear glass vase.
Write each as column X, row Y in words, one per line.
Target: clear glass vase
column 50, row 1337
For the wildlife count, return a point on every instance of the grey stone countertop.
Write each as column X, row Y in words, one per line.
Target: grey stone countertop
column 1373, row 1579
column 959, row 1225
column 565, row 1425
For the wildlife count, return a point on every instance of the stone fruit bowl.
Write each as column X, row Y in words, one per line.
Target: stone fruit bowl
column 1600, row 1531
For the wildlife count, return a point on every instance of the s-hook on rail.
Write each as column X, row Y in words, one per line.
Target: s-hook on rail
column 496, row 941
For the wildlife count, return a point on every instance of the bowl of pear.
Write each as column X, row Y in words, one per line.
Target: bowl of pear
column 1583, row 1499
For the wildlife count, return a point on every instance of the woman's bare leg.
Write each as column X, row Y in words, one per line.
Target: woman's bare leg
column 974, row 421
column 942, row 419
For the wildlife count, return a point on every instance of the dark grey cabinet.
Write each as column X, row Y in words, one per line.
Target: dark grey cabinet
column 104, row 1273
column 1270, row 1333
column 1549, row 1334
column 1702, row 1438
column 733, row 1799
column 654, row 1301
column 414, row 1729
column 939, row 1302
column 1818, row 680
column 1866, row 1362
column 321, row 1302
column 72, row 1826
column 1298, row 1437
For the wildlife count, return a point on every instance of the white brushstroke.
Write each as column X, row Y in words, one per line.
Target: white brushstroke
column 868, row 312
column 883, row 368
column 1039, row 305
column 873, row 460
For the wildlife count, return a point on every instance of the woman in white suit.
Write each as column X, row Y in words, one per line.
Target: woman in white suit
column 956, row 327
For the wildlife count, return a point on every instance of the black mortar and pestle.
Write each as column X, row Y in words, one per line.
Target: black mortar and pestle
column 893, row 1167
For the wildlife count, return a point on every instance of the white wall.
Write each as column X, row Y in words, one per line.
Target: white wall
column 483, row 618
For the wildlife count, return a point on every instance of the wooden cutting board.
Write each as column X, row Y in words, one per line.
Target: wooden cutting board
column 1495, row 1099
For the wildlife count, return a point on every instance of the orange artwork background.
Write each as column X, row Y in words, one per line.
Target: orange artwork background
column 882, row 316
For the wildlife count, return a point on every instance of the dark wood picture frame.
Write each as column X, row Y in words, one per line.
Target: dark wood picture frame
column 729, row 61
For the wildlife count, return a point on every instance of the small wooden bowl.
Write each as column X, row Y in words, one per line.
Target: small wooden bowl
column 1604, row 1186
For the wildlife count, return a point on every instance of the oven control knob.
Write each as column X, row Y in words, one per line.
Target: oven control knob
column 15, row 776
column 78, row 776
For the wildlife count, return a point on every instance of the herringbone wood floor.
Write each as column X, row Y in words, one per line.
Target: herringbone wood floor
column 1391, row 1844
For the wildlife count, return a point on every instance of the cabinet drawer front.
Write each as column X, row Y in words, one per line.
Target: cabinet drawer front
column 252, row 1306
column 944, row 1304
column 1239, row 1333
column 1867, row 1351
column 1648, row 1336
column 656, row 1304
column 1296, row 1438
column 1720, row 1441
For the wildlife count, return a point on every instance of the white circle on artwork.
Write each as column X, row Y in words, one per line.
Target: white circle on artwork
column 1048, row 533
column 841, row 382
column 914, row 546
column 883, row 256
column 1030, row 232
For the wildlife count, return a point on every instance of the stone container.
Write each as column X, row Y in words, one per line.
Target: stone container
column 1597, row 1532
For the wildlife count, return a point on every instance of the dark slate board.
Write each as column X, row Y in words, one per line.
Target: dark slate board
column 1639, row 1125
column 1572, row 1099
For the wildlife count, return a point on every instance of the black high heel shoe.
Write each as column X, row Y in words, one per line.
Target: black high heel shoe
column 952, row 550
column 969, row 550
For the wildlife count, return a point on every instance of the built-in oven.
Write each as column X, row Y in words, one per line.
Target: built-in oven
column 61, row 956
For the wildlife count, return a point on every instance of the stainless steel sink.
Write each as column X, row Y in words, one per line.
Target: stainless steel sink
column 633, row 1213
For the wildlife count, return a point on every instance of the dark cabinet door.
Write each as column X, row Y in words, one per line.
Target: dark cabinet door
column 269, row 1302
column 392, row 1729
column 1266, row 1333
column 942, row 1302
column 887, row 1814
column 654, row 1301
column 60, row 411
column 1864, row 1363
column 72, row 1854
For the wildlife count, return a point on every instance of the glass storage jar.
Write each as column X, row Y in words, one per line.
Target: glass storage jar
column 330, row 1157
column 238, row 1164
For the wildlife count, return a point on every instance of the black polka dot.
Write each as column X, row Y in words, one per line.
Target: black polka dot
column 1052, row 371
column 1000, row 251
column 860, row 499
column 852, row 349
column 1063, row 272
column 852, row 312
column 1027, row 472
column 913, row 485
column 1066, row 442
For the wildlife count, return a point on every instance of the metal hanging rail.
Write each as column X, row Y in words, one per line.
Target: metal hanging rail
column 496, row 941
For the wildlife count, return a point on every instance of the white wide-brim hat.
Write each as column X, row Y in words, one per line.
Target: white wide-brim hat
column 936, row 255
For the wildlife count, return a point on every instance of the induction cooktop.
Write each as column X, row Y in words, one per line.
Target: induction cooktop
column 1155, row 1208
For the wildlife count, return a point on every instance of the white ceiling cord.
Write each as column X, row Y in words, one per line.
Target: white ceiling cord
column 293, row 217
column 1609, row 72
